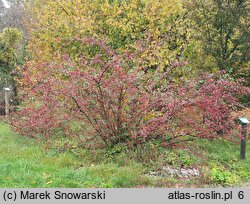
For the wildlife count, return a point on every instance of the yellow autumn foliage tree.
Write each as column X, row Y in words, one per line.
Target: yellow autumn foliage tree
column 161, row 27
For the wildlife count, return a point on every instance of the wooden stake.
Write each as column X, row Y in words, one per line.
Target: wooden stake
column 7, row 103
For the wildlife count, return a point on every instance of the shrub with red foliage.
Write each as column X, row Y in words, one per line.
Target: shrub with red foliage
column 119, row 103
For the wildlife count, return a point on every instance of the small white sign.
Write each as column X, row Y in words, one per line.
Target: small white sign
column 6, row 89
column 244, row 120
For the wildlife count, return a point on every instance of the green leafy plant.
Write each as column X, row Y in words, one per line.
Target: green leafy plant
column 223, row 177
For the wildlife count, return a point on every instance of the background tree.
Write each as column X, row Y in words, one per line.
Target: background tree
column 223, row 28
column 160, row 27
column 9, row 42
column 222, row 31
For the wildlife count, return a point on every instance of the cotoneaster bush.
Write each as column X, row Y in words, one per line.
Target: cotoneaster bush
column 117, row 102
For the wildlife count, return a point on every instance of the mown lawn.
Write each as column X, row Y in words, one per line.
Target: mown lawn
column 25, row 163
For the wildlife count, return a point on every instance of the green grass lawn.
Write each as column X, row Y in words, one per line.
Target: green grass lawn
column 24, row 163
column 224, row 163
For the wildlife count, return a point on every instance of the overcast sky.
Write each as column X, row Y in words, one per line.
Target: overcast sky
column 6, row 4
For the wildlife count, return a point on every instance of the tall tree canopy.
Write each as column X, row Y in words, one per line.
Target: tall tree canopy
column 223, row 28
column 9, row 42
